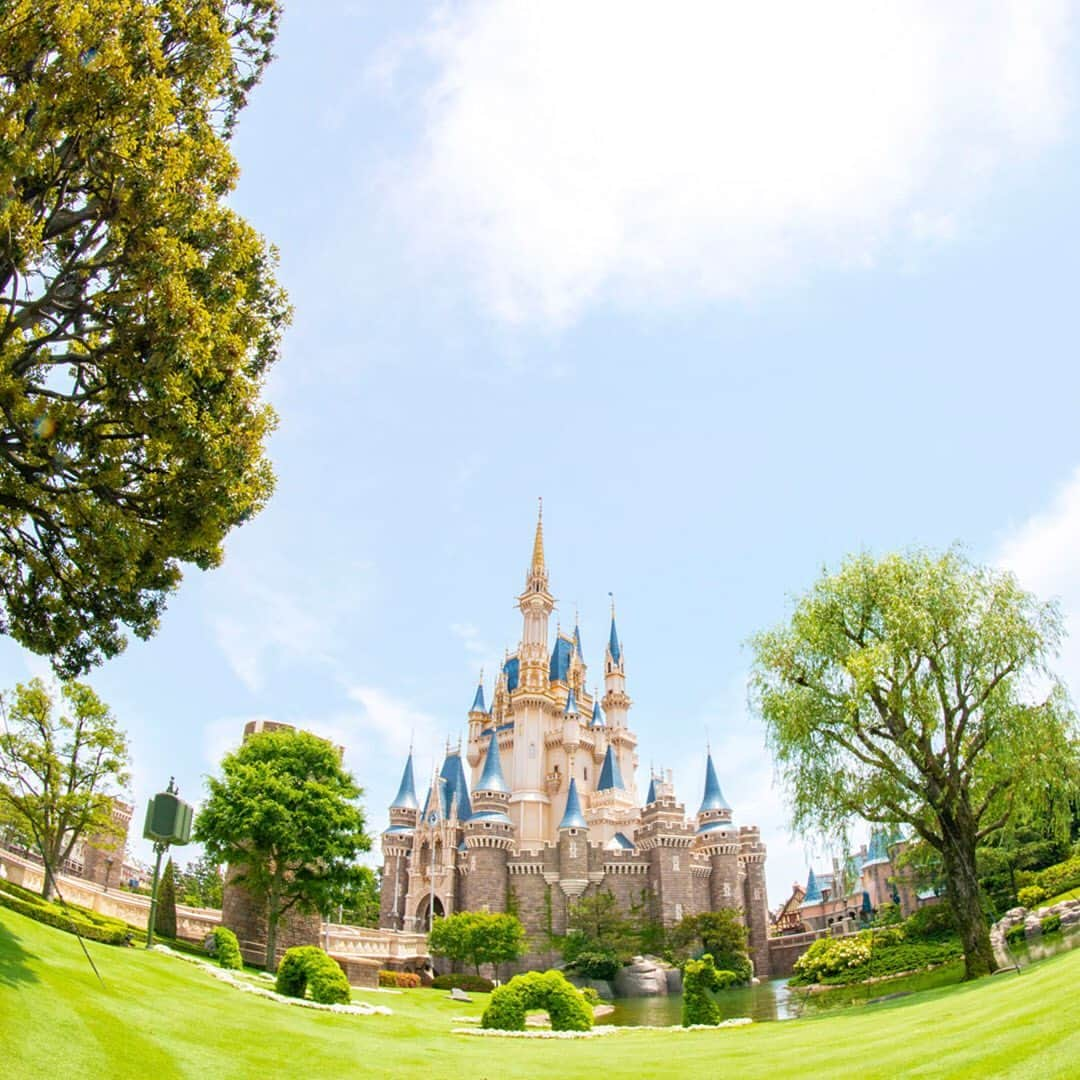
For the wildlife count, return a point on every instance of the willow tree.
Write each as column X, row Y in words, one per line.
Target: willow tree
column 914, row 690
column 138, row 311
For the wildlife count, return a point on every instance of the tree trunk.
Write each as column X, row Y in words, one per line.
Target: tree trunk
column 962, row 889
column 272, row 917
column 48, row 888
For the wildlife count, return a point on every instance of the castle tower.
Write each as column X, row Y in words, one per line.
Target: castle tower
column 718, row 840
column 478, row 717
column 617, row 703
column 489, row 838
column 666, row 838
column 755, row 898
column 573, row 846
column 397, row 846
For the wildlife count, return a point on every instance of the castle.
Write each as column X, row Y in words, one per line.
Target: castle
column 552, row 810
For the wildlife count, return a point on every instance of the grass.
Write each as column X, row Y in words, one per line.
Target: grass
column 159, row 1016
column 1069, row 894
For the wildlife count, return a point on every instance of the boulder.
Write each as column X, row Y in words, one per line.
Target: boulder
column 641, row 978
column 457, row 994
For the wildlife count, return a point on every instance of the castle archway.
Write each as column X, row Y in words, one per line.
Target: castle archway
column 423, row 913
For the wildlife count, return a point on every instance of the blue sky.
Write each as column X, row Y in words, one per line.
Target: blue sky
column 736, row 293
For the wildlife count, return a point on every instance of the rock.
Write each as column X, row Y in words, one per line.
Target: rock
column 1014, row 914
column 674, row 981
column 641, row 978
column 457, row 994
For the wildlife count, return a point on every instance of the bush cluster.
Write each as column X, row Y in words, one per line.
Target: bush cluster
column 538, row 990
column 700, row 980
column 1050, row 924
column 930, row 922
column 90, row 924
column 1059, row 878
column 873, row 954
column 475, row 984
column 1031, row 896
column 591, row 995
column 403, row 980
column 306, row 968
column 596, row 963
column 227, row 948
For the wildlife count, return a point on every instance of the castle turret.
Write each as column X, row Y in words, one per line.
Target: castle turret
column 718, row 840
column 617, row 703
column 573, row 845
column 397, row 842
column 755, row 897
column 489, row 837
column 666, row 838
column 478, row 718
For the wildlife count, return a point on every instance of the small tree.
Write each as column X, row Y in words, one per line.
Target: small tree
column 722, row 935
column 284, row 815
column 359, row 904
column 58, row 773
column 200, row 883
column 165, row 915
column 478, row 937
column 599, row 936
column 903, row 691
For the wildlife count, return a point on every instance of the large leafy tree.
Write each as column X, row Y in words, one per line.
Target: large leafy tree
column 138, row 312
column 478, row 937
column 59, row 770
column 284, row 815
column 721, row 934
column 914, row 690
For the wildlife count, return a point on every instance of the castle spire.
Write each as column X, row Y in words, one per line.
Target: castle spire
column 610, row 773
column 714, row 797
column 491, row 779
column 572, row 817
column 406, row 796
column 538, row 569
column 478, row 700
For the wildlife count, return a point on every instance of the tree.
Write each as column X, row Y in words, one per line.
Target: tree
column 721, row 935
column 359, row 904
column 138, row 311
column 200, row 883
column 165, row 913
column 478, row 937
column 902, row 691
column 600, row 938
column 284, row 815
column 58, row 773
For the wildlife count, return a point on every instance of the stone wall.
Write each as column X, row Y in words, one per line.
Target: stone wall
column 246, row 918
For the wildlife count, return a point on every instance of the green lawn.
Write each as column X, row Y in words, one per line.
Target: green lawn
column 160, row 1017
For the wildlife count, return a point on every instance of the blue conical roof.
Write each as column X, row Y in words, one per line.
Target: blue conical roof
column 571, row 703
column 613, row 642
column 577, row 643
column 455, row 791
column 478, row 701
column 651, row 797
column 813, row 890
column 878, row 852
column 491, row 779
column 610, row 776
column 572, row 817
column 405, row 799
column 597, row 716
column 714, row 797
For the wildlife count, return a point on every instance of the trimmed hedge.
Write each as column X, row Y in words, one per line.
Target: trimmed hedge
column 1059, row 878
column 535, row 990
column 90, row 924
column 871, row 954
column 475, row 984
column 1031, row 896
column 405, row 980
column 307, row 968
column 700, row 979
column 227, row 948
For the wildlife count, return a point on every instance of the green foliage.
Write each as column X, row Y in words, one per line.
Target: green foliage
column 537, row 990
column 701, row 980
column 591, row 995
column 56, row 771
column 404, row 980
column 722, row 935
column 930, row 922
column 591, row 963
column 888, row 914
column 1016, row 935
column 165, row 915
column 600, row 938
column 478, row 937
column 307, row 969
column 900, row 692
column 227, row 948
column 1061, row 877
column 284, row 814
column 1050, row 924
column 90, row 924
column 359, row 902
column 1031, row 896
column 1019, row 853
column 200, row 884
column 138, row 312
column 475, row 984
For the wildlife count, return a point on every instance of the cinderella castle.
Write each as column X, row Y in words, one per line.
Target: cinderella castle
column 544, row 806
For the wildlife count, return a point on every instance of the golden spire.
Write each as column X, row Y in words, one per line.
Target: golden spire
column 538, row 543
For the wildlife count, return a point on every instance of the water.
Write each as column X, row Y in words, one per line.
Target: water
column 776, row 1000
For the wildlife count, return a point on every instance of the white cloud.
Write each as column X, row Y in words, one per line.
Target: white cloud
column 637, row 154
column 392, row 724
column 1044, row 553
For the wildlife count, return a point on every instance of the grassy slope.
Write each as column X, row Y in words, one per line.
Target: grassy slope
column 163, row 1018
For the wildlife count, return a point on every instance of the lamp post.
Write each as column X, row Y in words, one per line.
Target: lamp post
column 168, row 821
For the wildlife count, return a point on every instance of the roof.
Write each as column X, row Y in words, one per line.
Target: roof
column 577, row 643
column 714, row 797
column 478, row 700
column 512, row 667
column 492, row 815
column 492, row 779
column 879, row 852
column 813, row 890
column 559, row 667
column 597, row 716
column 610, row 776
column 455, row 792
column 619, row 843
column 709, row 826
column 572, row 817
column 405, row 799
column 571, row 703
column 651, row 797
column 613, row 642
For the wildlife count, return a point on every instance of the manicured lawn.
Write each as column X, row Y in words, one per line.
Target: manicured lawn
column 1071, row 894
column 159, row 1017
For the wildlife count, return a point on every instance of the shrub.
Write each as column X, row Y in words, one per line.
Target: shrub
column 700, row 980
column 227, row 948
column 307, row 968
column 165, row 912
column 1050, row 924
column 1032, row 896
column 596, row 963
column 591, row 995
column 476, row 984
column 871, row 954
column 1016, row 935
column 932, row 921
column 548, row 990
column 90, row 924
column 1060, row 877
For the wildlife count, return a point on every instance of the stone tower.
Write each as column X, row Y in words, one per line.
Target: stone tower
column 489, row 838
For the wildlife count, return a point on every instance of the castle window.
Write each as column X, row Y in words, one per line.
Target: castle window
column 678, row 912
column 675, row 863
column 585, row 775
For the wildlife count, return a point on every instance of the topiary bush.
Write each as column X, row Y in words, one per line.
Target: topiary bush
column 403, row 980
column 591, row 994
column 930, row 922
column 306, row 968
column 548, row 990
column 475, row 984
column 1031, row 896
column 227, row 948
column 700, row 980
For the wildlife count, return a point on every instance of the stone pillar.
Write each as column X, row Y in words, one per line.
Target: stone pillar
column 756, row 910
column 484, row 878
column 722, row 848
column 395, row 882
